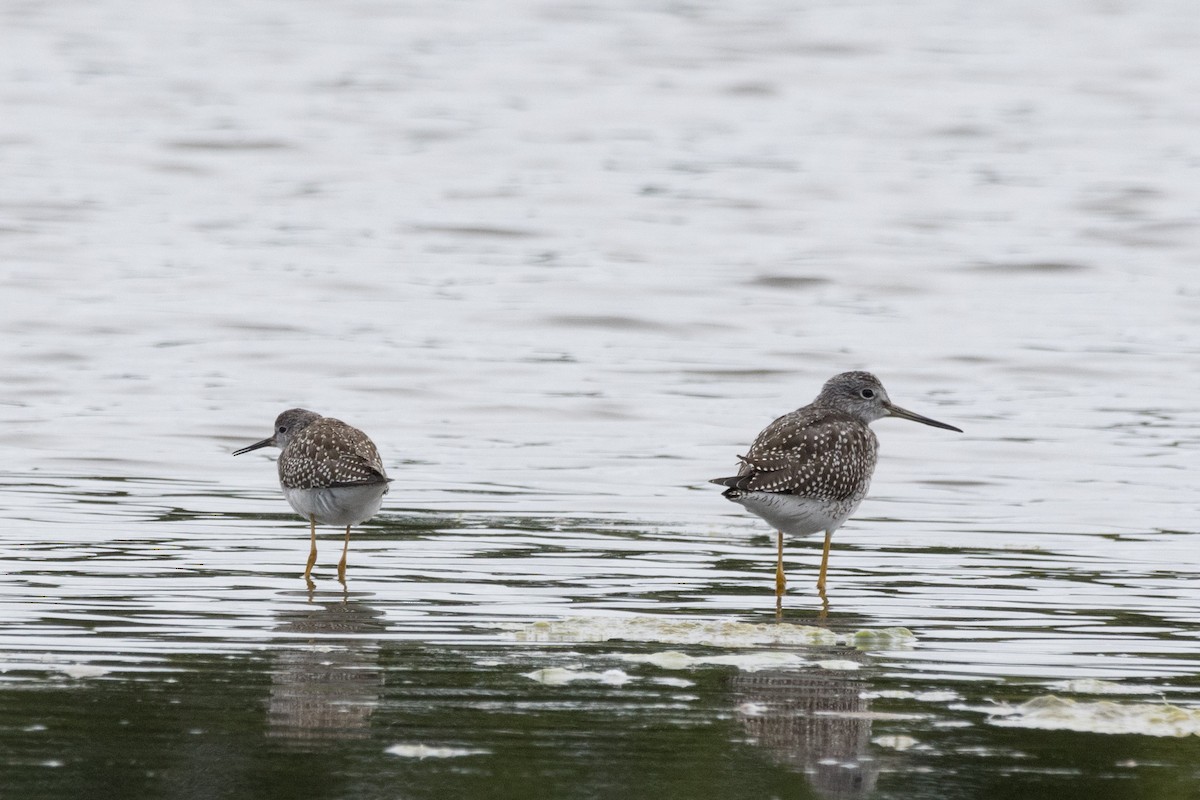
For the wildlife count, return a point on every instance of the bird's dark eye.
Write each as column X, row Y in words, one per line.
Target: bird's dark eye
column 283, row 428
column 867, row 393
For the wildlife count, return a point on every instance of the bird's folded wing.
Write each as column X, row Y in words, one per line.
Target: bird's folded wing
column 328, row 458
column 820, row 458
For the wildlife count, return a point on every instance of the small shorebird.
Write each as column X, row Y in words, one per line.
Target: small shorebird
column 808, row 470
column 330, row 473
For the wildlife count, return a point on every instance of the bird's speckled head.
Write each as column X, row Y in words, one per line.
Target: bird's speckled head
column 861, row 395
column 287, row 425
column 290, row 423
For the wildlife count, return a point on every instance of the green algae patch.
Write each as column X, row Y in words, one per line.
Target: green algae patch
column 882, row 639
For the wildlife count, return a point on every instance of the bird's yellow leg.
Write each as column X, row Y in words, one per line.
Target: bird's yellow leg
column 312, row 539
column 780, row 579
column 824, row 563
column 342, row 563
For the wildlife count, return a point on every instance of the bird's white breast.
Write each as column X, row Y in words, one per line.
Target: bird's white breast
column 795, row 515
column 338, row 505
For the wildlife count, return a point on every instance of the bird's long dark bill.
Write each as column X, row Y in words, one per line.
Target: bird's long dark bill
column 897, row 411
column 270, row 440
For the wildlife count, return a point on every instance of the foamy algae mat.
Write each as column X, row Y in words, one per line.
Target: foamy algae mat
column 706, row 632
column 1057, row 713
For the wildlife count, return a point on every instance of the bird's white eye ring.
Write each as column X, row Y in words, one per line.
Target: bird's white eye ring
column 868, row 393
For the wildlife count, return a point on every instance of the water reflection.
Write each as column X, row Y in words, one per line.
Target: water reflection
column 817, row 722
column 326, row 686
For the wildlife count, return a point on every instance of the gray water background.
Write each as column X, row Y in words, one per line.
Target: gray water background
column 563, row 261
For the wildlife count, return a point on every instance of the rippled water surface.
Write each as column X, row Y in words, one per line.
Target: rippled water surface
column 563, row 262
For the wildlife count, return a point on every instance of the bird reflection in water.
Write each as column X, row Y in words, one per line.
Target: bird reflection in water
column 326, row 680
column 815, row 721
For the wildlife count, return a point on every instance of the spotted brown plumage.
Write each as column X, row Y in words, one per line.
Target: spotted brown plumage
column 327, row 452
column 815, row 453
column 809, row 469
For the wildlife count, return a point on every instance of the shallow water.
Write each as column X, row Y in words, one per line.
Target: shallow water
column 563, row 262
